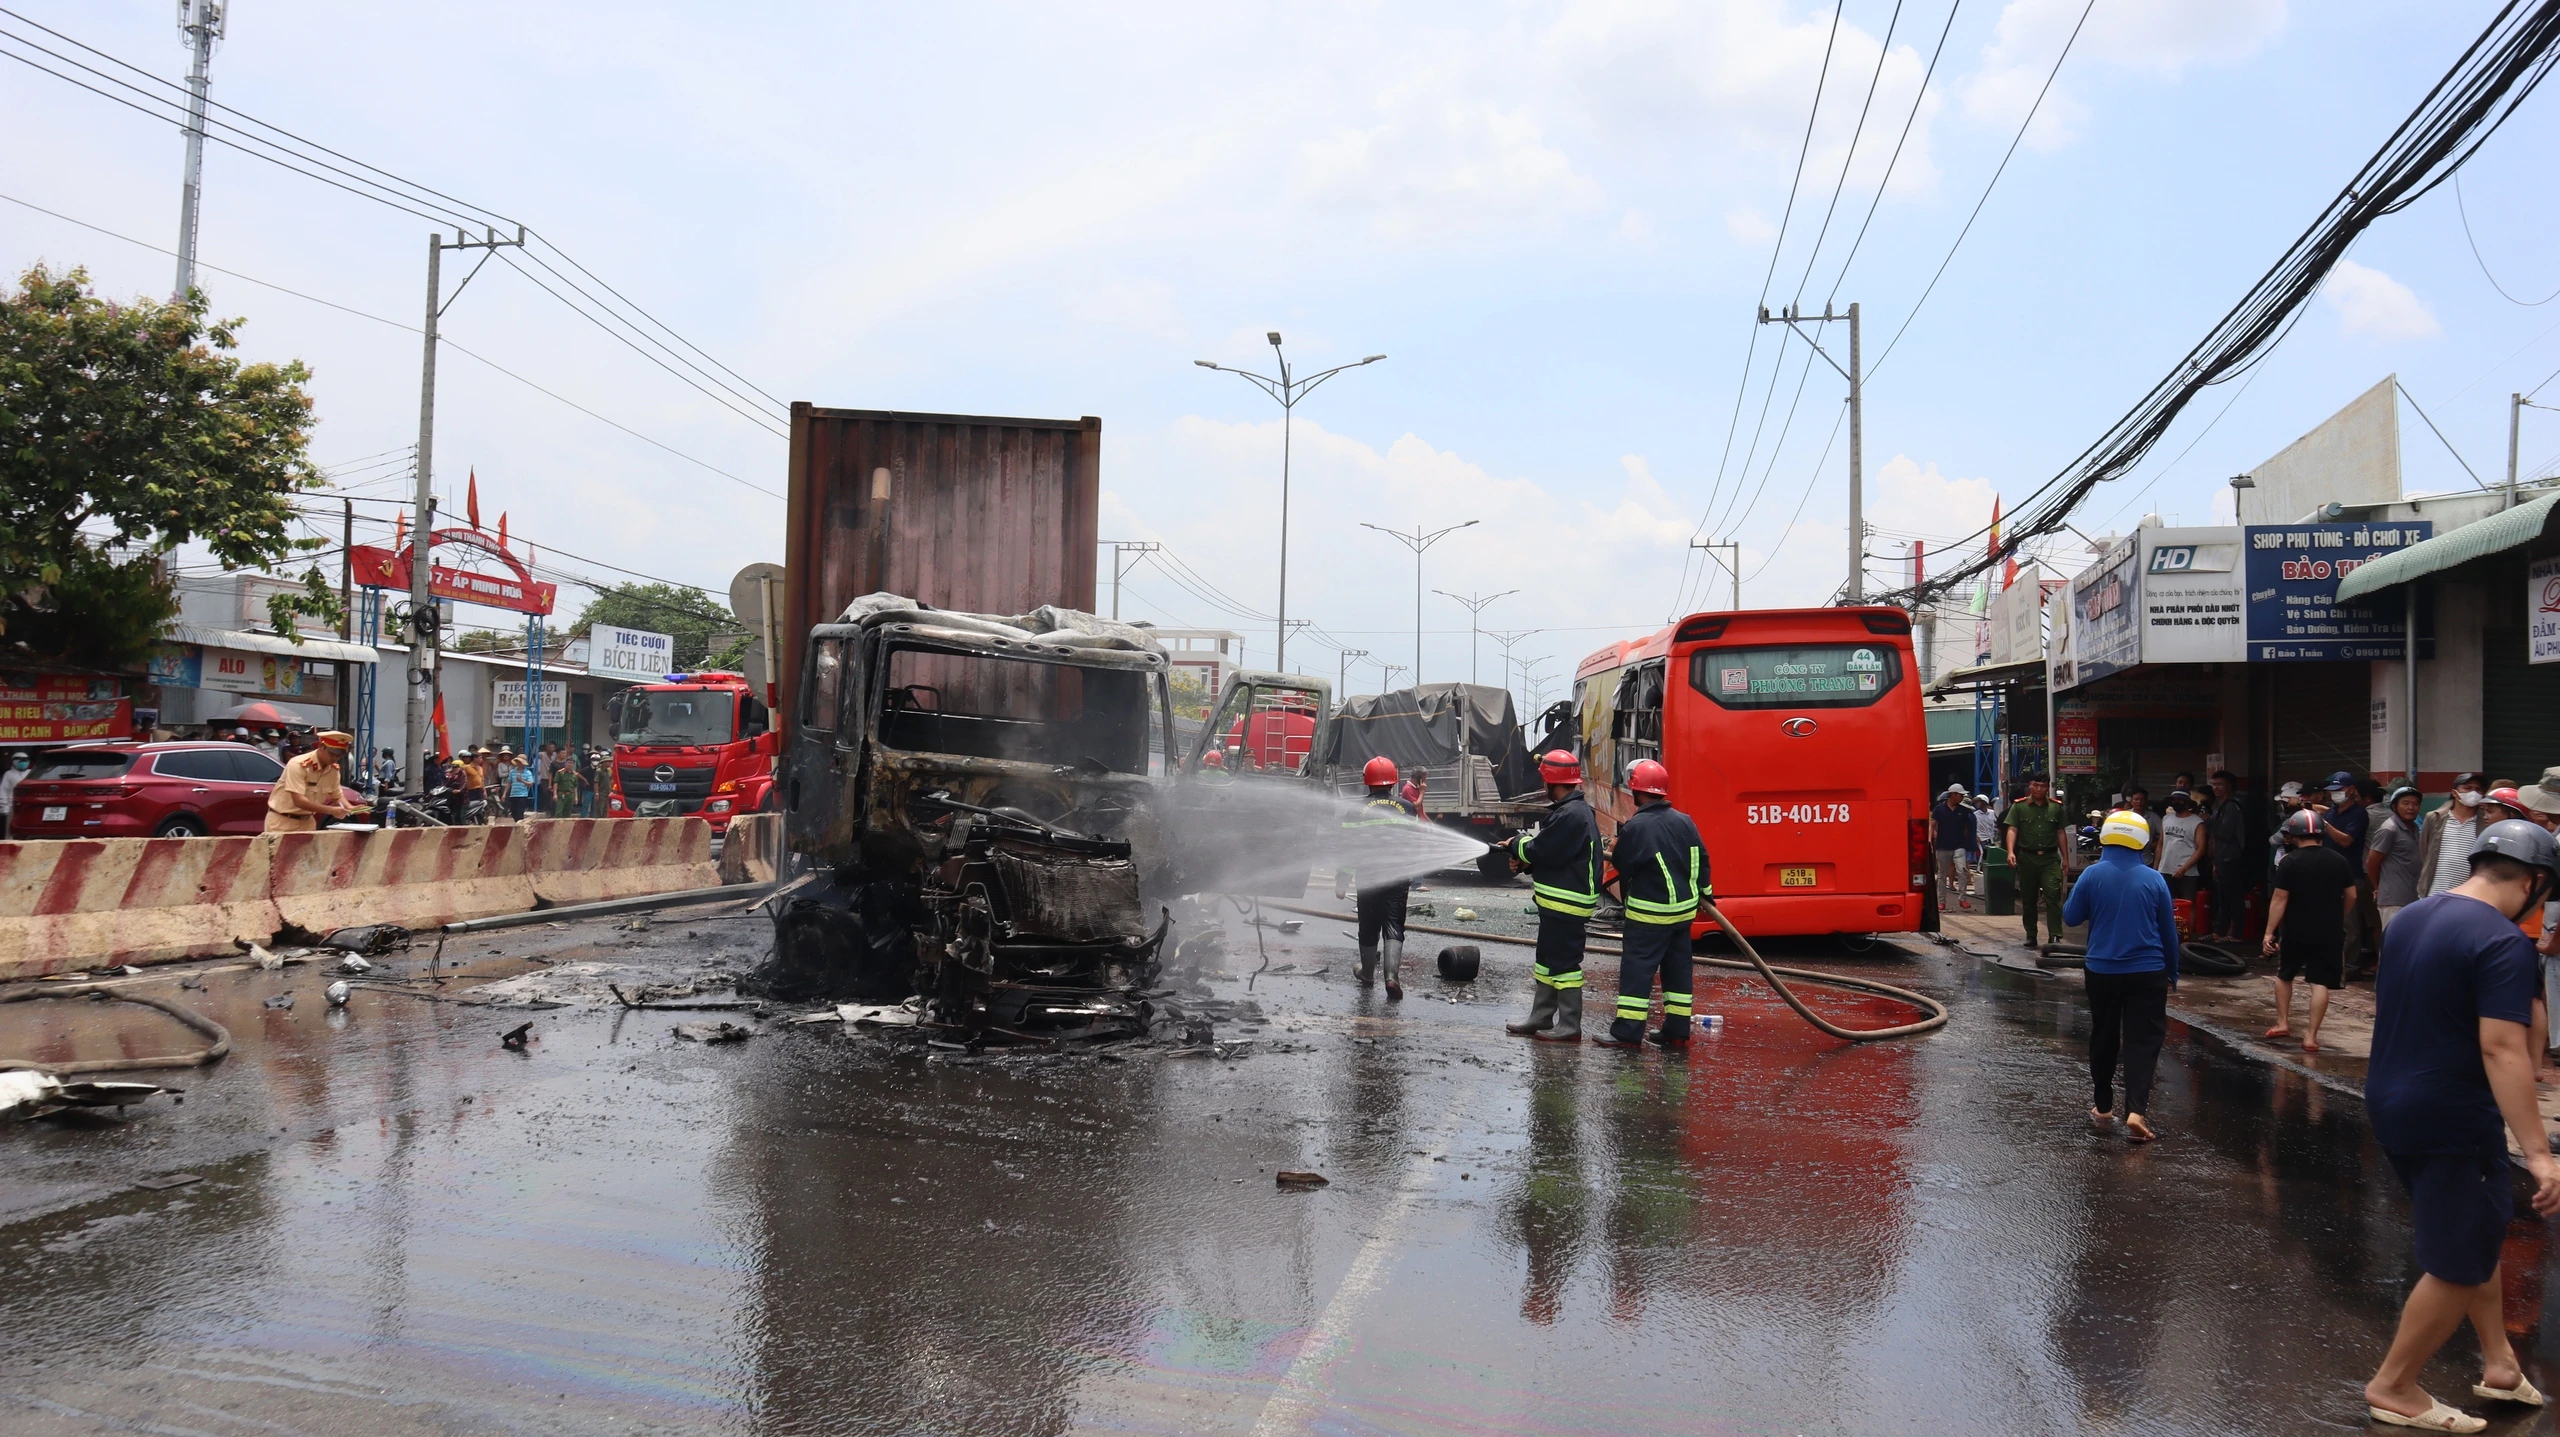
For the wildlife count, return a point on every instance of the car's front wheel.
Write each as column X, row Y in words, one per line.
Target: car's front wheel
column 185, row 825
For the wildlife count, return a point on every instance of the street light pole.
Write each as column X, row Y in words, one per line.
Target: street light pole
column 1287, row 390
column 1418, row 541
column 1475, row 606
column 1509, row 641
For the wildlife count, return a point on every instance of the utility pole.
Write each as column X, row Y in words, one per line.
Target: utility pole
column 1121, row 549
column 2515, row 420
column 1342, row 672
column 345, row 707
column 1418, row 541
column 423, row 636
column 1387, row 675
column 200, row 21
column 1732, row 566
column 1475, row 607
column 1286, row 390
column 1796, row 321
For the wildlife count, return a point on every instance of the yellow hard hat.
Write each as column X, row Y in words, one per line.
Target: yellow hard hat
column 2125, row 829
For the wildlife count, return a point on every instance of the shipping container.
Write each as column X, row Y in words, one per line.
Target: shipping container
column 991, row 516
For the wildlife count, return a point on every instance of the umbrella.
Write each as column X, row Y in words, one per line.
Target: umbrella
column 260, row 714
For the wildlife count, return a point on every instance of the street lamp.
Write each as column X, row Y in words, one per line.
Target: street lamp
column 1475, row 606
column 2238, row 483
column 1418, row 541
column 1509, row 641
column 1288, row 390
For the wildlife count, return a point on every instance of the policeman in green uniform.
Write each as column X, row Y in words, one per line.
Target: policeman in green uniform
column 2037, row 832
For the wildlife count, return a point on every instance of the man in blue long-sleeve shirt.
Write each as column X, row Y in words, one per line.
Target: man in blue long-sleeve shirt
column 2133, row 963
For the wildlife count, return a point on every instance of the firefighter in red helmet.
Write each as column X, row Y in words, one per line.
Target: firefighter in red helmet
column 1562, row 855
column 1381, row 905
column 1661, row 876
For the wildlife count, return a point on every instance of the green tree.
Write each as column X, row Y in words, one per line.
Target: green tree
column 689, row 616
column 125, row 431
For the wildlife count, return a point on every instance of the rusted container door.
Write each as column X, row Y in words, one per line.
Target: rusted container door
column 973, row 513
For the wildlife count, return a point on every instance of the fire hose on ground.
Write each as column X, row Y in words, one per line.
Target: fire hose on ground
column 1936, row 1011
column 219, row 1045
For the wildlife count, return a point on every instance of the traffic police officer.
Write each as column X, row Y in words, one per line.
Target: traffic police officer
column 1662, row 872
column 1381, row 906
column 1563, row 859
column 310, row 787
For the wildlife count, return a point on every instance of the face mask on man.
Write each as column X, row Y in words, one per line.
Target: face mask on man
column 19, row 764
column 2467, row 797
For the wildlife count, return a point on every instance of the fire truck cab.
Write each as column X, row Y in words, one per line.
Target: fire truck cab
column 699, row 743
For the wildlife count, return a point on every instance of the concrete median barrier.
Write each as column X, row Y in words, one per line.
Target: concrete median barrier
column 587, row 860
column 86, row 902
column 90, row 902
column 752, row 850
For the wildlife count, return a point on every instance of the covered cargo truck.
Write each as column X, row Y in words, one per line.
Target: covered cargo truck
column 1464, row 738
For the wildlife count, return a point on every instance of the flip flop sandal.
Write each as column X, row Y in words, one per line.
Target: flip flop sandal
column 2310, row 1045
column 2277, row 1033
column 2437, row 1418
column 2523, row 1392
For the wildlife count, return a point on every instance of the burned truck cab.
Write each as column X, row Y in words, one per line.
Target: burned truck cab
column 969, row 802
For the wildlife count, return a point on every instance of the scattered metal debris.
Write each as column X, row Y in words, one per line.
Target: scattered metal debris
column 371, row 939
column 713, row 1032
column 267, row 961
column 281, row 1000
column 1289, row 1179
column 172, row 1180
column 36, row 1095
column 517, row 1036
column 338, row 994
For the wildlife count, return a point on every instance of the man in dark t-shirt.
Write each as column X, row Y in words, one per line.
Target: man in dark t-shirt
column 2315, row 890
column 2450, row 1079
column 2347, row 825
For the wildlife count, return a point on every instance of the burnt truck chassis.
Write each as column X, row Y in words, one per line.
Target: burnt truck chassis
column 1007, row 894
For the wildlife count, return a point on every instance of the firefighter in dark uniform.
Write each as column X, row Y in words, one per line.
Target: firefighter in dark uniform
column 1563, row 860
column 1381, row 907
column 1662, row 873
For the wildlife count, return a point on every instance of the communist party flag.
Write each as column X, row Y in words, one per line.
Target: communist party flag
column 471, row 500
column 444, row 741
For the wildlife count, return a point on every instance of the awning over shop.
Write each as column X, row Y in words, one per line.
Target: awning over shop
column 242, row 640
column 1987, row 676
column 2499, row 532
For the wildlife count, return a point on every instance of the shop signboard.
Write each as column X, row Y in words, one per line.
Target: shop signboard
column 2106, row 635
column 2075, row 738
column 2191, row 596
column 2541, row 612
column 633, row 654
column 2293, row 572
column 57, row 708
column 237, row 671
column 2017, row 620
column 506, row 704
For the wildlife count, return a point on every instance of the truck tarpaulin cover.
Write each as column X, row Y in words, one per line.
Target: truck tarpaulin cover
column 1422, row 726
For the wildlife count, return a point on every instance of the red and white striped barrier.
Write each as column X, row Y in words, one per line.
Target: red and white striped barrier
column 586, row 860
column 91, row 901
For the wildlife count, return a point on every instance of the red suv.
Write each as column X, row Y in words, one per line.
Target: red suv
column 144, row 790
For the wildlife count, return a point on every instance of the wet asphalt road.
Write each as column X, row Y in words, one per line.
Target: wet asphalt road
column 404, row 1228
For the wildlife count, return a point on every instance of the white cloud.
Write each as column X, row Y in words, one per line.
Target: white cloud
column 2374, row 304
column 1635, row 227
column 2155, row 37
column 1443, row 162
column 1748, row 226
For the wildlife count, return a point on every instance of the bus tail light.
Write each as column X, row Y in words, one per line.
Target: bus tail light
column 1919, row 846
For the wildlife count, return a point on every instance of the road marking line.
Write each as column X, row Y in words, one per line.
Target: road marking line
column 1299, row 1399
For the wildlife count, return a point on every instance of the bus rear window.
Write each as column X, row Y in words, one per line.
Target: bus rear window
column 1804, row 676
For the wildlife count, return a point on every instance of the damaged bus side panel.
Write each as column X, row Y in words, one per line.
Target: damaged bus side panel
column 969, row 799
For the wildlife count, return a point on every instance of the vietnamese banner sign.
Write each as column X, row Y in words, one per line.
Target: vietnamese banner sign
column 2106, row 633
column 2542, row 612
column 2293, row 572
column 53, row 708
column 506, row 704
column 2191, row 599
column 236, row 671
column 634, row 654
column 2075, row 739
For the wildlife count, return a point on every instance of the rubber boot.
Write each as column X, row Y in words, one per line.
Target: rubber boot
column 1542, row 1014
column 1674, row 1033
column 1568, row 1028
column 1368, row 966
column 1623, row 1033
column 1395, row 968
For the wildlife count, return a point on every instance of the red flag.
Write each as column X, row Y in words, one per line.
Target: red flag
column 400, row 529
column 502, row 529
column 2009, row 570
column 471, row 500
column 444, row 741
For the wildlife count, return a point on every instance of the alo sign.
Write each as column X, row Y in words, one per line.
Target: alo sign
column 634, row 654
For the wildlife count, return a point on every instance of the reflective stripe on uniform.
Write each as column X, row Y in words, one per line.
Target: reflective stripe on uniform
column 1645, row 910
column 1565, row 900
column 1568, row 979
column 1634, row 1008
column 1675, row 1005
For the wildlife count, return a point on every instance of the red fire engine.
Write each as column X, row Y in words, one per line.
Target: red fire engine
column 699, row 743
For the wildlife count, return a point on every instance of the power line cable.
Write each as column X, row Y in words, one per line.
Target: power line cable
column 2464, row 210
column 2006, row 156
column 1857, row 132
column 2487, row 82
column 750, row 416
column 1908, row 121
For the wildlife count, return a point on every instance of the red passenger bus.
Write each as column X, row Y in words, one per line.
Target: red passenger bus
column 1795, row 741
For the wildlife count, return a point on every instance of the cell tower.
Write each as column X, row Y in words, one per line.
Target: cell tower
column 200, row 23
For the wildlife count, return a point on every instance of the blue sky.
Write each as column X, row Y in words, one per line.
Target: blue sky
column 1554, row 218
